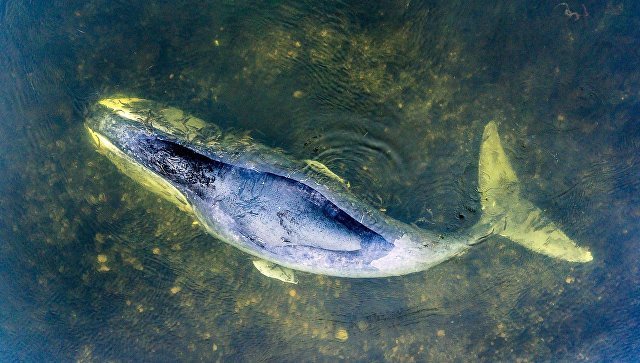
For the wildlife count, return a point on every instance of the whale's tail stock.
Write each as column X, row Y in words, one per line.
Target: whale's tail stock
column 507, row 213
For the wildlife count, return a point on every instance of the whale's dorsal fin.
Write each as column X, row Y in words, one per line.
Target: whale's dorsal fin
column 275, row 271
column 507, row 213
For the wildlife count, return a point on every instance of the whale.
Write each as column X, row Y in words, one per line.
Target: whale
column 298, row 215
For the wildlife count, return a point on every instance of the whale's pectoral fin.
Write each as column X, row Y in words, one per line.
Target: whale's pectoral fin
column 319, row 167
column 275, row 271
column 507, row 213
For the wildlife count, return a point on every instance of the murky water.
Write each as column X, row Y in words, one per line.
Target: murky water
column 392, row 96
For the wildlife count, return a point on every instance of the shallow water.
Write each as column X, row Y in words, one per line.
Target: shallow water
column 391, row 96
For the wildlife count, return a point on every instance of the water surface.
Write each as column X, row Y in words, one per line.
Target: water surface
column 393, row 97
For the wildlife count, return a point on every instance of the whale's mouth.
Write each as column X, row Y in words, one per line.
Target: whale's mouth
column 180, row 165
column 126, row 138
column 137, row 170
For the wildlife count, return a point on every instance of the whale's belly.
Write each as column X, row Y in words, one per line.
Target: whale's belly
column 274, row 216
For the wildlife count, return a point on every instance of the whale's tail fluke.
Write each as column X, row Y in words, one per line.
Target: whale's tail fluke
column 507, row 213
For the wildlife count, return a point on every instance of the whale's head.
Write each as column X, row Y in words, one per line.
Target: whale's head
column 146, row 141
